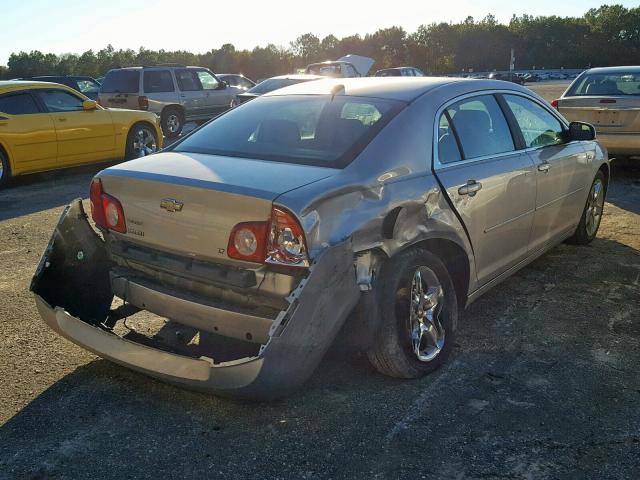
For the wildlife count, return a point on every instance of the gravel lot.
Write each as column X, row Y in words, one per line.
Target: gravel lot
column 542, row 384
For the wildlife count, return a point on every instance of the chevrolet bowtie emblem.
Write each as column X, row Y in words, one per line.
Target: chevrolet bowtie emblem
column 171, row 205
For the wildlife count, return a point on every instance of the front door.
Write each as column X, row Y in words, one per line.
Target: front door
column 83, row 135
column 217, row 96
column 27, row 132
column 561, row 170
column 191, row 94
column 490, row 184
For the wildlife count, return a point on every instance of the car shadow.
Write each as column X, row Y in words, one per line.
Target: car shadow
column 624, row 188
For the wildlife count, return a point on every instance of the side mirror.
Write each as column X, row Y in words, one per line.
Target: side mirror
column 580, row 131
column 89, row 105
column 222, row 85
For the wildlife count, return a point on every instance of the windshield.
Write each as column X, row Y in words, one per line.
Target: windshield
column 121, row 81
column 624, row 83
column 88, row 86
column 325, row 69
column 315, row 130
column 274, row 84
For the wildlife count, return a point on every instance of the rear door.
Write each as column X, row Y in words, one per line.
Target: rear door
column 83, row 135
column 27, row 132
column 490, row 184
column 562, row 170
column 159, row 88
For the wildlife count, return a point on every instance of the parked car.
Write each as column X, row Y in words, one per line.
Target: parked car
column 259, row 233
column 400, row 72
column 274, row 83
column 609, row 98
column 345, row 67
column 178, row 94
column 88, row 86
column 45, row 126
column 236, row 80
column 507, row 77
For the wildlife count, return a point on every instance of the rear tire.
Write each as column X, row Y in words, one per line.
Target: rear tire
column 5, row 171
column 419, row 311
column 172, row 122
column 592, row 214
column 142, row 140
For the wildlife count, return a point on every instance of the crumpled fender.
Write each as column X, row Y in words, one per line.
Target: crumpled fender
column 73, row 295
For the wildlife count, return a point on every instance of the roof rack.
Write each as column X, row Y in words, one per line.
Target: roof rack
column 151, row 66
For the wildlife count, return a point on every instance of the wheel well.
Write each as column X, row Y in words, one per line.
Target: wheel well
column 604, row 168
column 180, row 108
column 457, row 262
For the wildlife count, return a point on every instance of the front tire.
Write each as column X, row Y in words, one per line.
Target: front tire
column 419, row 312
column 172, row 122
column 5, row 172
column 592, row 214
column 141, row 141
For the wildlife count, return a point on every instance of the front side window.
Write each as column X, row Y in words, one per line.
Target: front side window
column 314, row 129
column 208, row 81
column 539, row 127
column 60, row 101
column 158, row 81
column 18, row 104
column 188, row 81
column 480, row 126
column 623, row 83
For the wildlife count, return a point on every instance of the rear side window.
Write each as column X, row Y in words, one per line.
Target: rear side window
column 188, row 81
column 121, row 81
column 158, row 81
column 539, row 127
column 448, row 151
column 18, row 104
column 480, row 126
column 60, row 101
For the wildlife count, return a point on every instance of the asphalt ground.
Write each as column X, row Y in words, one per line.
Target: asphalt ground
column 543, row 382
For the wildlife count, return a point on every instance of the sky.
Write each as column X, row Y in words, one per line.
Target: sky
column 74, row 26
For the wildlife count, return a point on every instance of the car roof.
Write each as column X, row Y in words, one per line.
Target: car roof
column 393, row 88
column 622, row 69
column 13, row 85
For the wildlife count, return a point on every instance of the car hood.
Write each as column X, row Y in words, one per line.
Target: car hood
column 257, row 178
column 362, row 64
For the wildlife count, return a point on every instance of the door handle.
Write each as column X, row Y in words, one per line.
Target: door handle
column 62, row 119
column 544, row 167
column 470, row 188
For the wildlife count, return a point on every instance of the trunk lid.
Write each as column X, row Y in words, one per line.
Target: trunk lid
column 609, row 114
column 188, row 203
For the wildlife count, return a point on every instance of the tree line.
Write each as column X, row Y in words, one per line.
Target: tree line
column 604, row 36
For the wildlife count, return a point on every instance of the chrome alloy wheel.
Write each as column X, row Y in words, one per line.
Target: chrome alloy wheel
column 1, row 169
column 595, row 205
column 425, row 328
column 144, row 142
column 173, row 123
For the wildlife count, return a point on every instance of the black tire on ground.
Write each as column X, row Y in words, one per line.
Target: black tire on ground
column 392, row 352
column 172, row 122
column 5, row 172
column 130, row 151
column 585, row 232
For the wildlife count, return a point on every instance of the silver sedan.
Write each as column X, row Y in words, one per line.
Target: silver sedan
column 374, row 208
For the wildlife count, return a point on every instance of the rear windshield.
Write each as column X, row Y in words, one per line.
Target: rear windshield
column 310, row 129
column 607, row 84
column 121, row 81
column 274, row 84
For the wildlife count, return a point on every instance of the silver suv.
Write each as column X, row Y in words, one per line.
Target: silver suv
column 177, row 93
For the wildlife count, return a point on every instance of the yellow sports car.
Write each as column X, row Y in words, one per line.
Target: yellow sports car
column 45, row 126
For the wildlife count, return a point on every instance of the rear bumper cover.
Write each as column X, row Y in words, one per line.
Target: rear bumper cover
column 620, row 143
column 73, row 295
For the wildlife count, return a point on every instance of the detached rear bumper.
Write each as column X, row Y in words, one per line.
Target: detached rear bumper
column 73, row 295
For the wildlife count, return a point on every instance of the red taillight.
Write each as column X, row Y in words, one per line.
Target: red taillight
column 286, row 244
column 143, row 103
column 554, row 104
column 106, row 210
column 279, row 241
column 248, row 241
column 608, row 100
